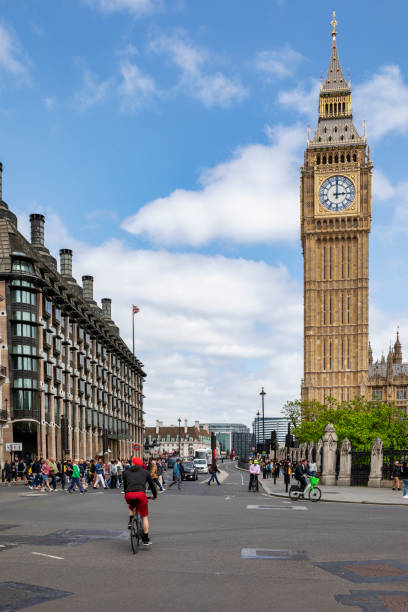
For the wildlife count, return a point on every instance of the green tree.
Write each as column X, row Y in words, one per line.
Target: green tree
column 359, row 420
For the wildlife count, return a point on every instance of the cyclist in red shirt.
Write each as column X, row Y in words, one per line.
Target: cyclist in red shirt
column 134, row 486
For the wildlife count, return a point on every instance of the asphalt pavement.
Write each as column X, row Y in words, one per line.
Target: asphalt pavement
column 214, row 548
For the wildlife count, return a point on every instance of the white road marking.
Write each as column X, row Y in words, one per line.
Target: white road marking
column 242, row 479
column 260, row 507
column 37, row 495
column 2, row 546
column 44, row 555
column 299, row 508
column 227, row 498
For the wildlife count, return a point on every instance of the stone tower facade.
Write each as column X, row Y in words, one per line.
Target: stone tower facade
column 335, row 198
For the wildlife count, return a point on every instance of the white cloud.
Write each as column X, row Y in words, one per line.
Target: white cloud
column 278, row 63
column 301, row 100
column 12, row 58
column 136, row 87
column 93, row 91
column 250, row 198
column 136, row 8
column 211, row 88
column 383, row 102
column 211, row 330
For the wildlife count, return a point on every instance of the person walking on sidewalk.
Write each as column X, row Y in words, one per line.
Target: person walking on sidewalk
column 213, row 471
column 177, row 472
column 396, row 473
column 45, row 472
column 404, row 476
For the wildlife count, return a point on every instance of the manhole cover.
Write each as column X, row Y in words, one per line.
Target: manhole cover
column 17, row 595
column 274, row 554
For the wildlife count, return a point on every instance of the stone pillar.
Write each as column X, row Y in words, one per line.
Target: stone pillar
column 376, row 465
column 329, row 455
column 345, row 464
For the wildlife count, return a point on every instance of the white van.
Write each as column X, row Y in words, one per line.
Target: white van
column 201, row 465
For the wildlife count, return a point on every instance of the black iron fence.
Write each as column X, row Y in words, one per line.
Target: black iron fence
column 360, row 467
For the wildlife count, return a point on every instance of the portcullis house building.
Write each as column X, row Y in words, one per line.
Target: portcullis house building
column 61, row 355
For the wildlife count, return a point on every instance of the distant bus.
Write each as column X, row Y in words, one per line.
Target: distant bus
column 203, row 453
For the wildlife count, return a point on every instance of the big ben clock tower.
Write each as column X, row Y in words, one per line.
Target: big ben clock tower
column 335, row 225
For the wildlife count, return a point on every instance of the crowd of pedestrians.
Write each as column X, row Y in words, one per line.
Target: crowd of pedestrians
column 47, row 474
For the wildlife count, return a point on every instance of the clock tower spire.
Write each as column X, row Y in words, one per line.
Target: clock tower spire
column 335, row 226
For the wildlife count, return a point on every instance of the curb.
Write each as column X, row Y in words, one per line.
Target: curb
column 330, row 501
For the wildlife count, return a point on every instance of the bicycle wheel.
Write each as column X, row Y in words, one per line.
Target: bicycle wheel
column 134, row 536
column 315, row 494
column 294, row 492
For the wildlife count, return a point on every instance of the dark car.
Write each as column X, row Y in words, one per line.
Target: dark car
column 190, row 471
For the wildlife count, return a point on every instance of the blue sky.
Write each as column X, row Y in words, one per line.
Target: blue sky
column 163, row 139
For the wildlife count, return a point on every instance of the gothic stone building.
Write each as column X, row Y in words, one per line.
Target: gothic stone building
column 335, row 224
column 388, row 379
column 61, row 355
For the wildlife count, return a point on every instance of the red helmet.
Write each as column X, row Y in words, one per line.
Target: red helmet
column 137, row 461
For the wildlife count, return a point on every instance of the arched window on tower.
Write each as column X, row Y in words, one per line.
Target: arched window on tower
column 331, row 108
column 336, row 159
column 354, row 157
column 324, row 159
column 330, row 159
column 348, row 157
column 326, row 108
column 335, row 108
column 342, row 157
column 318, row 160
column 342, row 137
column 344, row 107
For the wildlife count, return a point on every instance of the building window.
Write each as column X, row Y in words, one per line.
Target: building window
column 25, row 363
column 24, row 349
column 23, row 329
column 402, row 393
column 22, row 315
column 21, row 265
column 25, row 383
column 377, row 394
column 25, row 400
column 19, row 296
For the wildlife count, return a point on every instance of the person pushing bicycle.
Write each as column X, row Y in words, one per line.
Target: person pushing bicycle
column 134, row 487
column 254, row 470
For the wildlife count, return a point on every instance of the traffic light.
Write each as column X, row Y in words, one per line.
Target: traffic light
column 273, row 440
column 288, row 440
column 213, row 441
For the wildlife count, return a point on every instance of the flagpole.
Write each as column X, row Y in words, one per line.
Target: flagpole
column 133, row 330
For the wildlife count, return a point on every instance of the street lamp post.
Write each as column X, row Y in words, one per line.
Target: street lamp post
column 258, row 414
column 179, row 422
column 262, row 394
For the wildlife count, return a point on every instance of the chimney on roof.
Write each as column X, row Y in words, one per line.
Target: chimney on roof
column 37, row 229
column 66, row 262
column 107, row 309
column 185, row 425
column 197, row 424
column 87, row 288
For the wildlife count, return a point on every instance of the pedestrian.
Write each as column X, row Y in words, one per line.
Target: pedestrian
column 100, row 480
column 21, row 470
column 8, row 472
column 53, row 473
column 177, row 472
column 113, row 474
column 45, row 473
column 269, row 469
column 213, row 471
column 91, row 473
column 404, row 476
column 396, row 473
column 36, row 470
column 75, row 479
column 155, row 475
column 312, row 468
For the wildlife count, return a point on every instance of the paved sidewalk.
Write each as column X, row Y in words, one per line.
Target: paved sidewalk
column 352, row 495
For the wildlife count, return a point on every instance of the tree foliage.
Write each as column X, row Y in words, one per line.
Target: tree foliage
column 359, row 420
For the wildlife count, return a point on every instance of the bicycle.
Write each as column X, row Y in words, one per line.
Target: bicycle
column 254, row 484
column 135, row 531
column 311, row 490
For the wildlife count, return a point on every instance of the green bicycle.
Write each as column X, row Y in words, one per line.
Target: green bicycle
column 311, row 491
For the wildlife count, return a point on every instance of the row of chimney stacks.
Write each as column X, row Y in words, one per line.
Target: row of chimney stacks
column 37, row 222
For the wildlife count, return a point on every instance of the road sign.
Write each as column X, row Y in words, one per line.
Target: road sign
column 136, row 447
column 14, row 446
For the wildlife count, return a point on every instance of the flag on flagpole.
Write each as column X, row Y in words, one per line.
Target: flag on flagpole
column 135, row 309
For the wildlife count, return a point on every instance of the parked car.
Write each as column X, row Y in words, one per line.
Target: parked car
column 190, row 471
column 201, row 466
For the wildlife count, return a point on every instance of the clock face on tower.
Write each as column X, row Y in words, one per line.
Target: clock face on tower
column 337, row 193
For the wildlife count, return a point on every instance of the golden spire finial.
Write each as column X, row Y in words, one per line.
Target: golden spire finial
column 333, row 23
